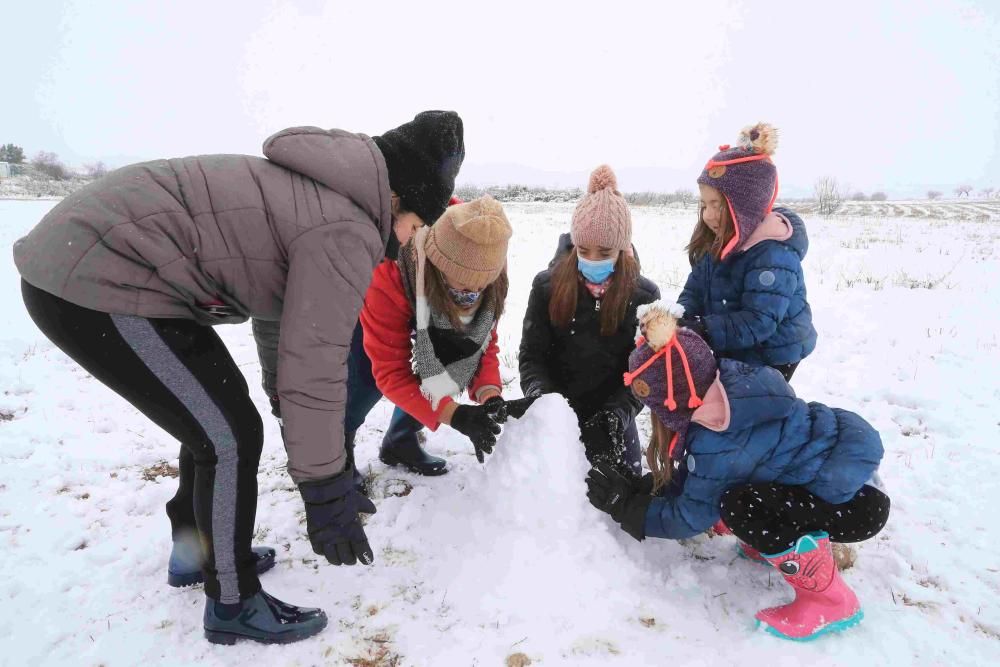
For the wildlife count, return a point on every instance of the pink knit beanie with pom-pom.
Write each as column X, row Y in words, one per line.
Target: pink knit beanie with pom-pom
column 602, row 218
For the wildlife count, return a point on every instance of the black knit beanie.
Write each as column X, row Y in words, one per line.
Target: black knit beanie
column 423, row 158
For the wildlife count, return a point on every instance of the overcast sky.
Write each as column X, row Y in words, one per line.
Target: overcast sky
column 893, row 95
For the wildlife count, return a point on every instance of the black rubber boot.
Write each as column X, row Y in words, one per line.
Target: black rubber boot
column 261, row 618
column 401, row 446
column 184, row 567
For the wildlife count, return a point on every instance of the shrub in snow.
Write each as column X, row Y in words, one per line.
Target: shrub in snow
column 49, row 164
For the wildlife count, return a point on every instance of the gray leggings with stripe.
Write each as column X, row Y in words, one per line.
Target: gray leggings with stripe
column 180, row 375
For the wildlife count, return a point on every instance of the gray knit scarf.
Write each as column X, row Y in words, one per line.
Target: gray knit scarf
column 437, row 379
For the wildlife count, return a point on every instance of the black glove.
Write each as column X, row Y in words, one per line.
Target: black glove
column 276, row 411
column 335, row 531
column 517, row 408
column 695, row 324
column 499, row 410
column 603, row 438
column 611, row 492
column 496, row 408
column 645, row 485
column 475, row 423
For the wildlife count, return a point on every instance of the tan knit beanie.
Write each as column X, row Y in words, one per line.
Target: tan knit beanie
column 602, row 218
column 468, row 244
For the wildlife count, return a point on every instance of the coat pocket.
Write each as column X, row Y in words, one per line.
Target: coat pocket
column 211, row 314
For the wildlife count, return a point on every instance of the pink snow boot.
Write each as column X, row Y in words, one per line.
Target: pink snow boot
column 751, row 554
column 720, row 528
column 823, row 602
column 744, row 550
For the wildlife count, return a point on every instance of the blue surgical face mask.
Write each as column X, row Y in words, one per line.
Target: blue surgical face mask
column 596, row 272
column 464, row 298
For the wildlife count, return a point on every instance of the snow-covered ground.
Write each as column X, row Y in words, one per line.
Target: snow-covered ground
column 507, row 558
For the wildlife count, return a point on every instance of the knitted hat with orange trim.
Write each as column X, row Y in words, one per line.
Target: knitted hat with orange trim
column 670, row 370
column 747, row 178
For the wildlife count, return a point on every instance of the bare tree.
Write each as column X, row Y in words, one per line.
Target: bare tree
column 878, row 196
column 828, row 195
column 96, row 170
column 933, row 194
column 986, row 193
column 963, row 190
column 859, row 196
column 648, row 198
column 49, row 164
column 685, row 197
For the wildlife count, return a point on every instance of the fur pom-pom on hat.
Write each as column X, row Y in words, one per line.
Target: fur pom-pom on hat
column 603, row 178
column 759, row 138
column 658, row 322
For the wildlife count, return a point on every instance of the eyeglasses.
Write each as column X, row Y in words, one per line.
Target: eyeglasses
column 464, row 298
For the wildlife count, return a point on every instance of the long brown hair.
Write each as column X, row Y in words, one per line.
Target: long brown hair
column 705, row 241
column 494, row 296
column 658, row 455
column 566, row 288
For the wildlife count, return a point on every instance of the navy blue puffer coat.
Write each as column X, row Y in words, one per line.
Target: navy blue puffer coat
column 772, row 436
column 753, row 303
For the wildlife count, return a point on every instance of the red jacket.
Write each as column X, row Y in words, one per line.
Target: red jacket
column 387, row 319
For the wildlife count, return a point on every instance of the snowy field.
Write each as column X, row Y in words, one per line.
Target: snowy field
column 506, row 558
column 964, row 208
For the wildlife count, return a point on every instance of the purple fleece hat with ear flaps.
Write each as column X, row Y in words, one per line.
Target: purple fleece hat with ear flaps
column 748, row 179
column 651, row 387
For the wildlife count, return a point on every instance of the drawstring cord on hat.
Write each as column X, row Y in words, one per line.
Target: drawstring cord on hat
column 670, row 403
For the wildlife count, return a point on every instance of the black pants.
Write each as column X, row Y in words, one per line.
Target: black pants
column 771, row 517
column 180, row 375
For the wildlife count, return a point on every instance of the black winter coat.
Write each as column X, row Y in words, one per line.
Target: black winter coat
column 578, row 362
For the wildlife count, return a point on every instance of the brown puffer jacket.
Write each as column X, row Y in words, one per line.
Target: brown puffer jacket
column 293, row 238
